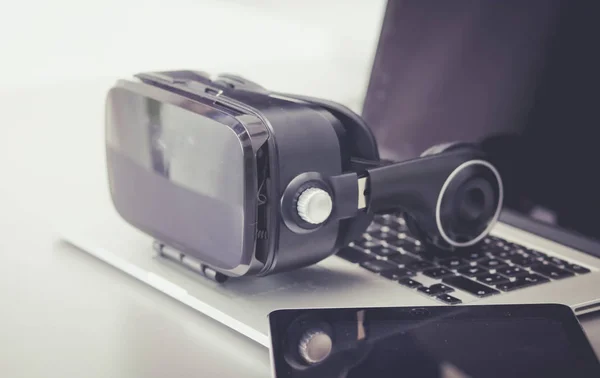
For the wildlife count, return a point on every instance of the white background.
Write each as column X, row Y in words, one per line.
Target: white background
column 323, row 48
column 64, row 313
column 59, row 58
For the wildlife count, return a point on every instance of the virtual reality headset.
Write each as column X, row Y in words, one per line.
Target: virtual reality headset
column 236, row 180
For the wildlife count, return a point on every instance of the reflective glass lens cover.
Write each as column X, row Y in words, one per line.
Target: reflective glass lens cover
column 177, row 172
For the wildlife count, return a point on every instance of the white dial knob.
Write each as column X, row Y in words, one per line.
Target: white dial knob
column 314, row 205
column 315, row 346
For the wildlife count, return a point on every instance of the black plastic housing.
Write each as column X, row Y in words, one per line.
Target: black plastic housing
column 450, row 200
column 289, row 138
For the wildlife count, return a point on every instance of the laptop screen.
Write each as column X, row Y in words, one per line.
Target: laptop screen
column 520, row 77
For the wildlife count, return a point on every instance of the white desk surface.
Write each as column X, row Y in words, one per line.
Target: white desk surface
column 65, row 314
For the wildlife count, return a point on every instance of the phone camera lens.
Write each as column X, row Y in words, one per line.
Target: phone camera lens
column 315, row 346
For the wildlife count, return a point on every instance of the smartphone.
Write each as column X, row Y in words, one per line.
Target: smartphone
column 498, row 341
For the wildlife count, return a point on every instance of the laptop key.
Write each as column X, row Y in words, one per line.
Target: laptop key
column 448, row 299
column 437, row 273
column 398, row 241
column 500, row 242
column 475, row 255
column 354, row 255
column 441, row 287
column 410, row 283
column 391, row 221
column 428, row 255
column 453, row 263
column 538, row 254
column 472, row 287
column 502, row 254
column 522, row 282
column 491, row 263
column 519, row 283
column 493, row 279
column 556, row 261
column 377, row 266
column 367, row 244
column 519, row 249
column 486, row 240
column 420, row 265
column 384, row 220
column 489, row 239
column 435, row 290
column 387, row 236
column 473, row 271
column 551, row 271
column 383, row 251
column 431, row 253
column 397, row 274
column 512, row 271
column 402, row 259
column 398, row 227
column 535, row 279
column 406, row 246
column 373, row 227
column 516, row 246
column 577, row 269
column 524, row 261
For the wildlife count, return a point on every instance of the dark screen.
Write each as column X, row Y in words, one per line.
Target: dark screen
column 520, row 77
column 436, row 342
column 177, row 173
column 464, row 349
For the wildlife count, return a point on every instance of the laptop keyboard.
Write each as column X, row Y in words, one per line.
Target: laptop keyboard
column 492, row 267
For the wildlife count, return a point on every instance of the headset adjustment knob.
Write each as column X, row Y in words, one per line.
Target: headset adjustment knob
column 314, row 205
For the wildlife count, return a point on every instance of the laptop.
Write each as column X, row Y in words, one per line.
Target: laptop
column 499, row 73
